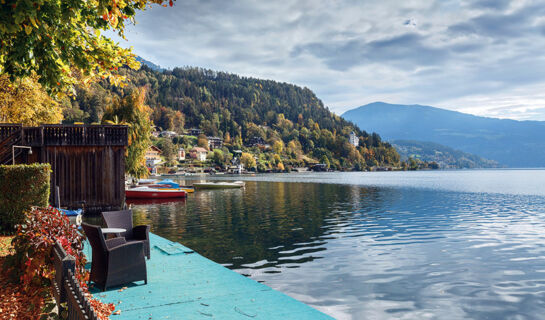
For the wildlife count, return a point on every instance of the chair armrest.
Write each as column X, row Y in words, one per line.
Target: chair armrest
column 114, row 242
column 126, row 255
column 141, row 232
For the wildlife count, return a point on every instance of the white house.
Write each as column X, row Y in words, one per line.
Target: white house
column 354, row 140
column 198, row 153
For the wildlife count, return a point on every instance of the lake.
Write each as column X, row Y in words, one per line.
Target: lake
column 377, row 245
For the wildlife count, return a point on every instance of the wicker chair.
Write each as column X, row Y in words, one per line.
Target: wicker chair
column 123, row 219
column 114, row 262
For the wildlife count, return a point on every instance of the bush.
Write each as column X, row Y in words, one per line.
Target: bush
column 21, row 187
column 32, row 263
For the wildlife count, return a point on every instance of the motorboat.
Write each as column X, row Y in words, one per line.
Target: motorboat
column 154, row 193
column 147, row 181
column 218, row 185
column 167, row 183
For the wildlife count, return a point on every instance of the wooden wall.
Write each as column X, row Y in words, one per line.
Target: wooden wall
column 94, row 174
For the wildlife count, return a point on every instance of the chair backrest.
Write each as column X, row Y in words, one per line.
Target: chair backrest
column 119, row 219
column 95, row 237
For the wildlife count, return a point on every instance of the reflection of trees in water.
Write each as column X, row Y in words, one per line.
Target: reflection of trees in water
column 294, row 219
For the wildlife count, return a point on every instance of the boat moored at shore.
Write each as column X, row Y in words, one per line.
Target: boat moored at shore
column 153, row 193
column 219, row 185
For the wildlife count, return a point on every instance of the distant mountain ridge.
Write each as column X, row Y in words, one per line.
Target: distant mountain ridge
column 150, row 64
column 446, row 157
column 510, row 142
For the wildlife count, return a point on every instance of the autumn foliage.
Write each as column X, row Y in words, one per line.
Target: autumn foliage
column 31, row 265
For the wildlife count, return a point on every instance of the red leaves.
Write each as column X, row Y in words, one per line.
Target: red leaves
column 33, row 266
column 170, row 3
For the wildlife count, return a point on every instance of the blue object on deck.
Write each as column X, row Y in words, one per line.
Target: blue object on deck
column 173, row 248
column 71, row 213
column 190, row 286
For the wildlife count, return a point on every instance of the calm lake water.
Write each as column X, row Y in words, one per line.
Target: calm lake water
column 385, row 245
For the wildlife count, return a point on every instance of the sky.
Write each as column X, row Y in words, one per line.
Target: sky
column 484, row 57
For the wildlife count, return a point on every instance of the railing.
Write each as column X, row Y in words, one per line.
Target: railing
column 67, row 135
column 66, row 289
column 78, row 305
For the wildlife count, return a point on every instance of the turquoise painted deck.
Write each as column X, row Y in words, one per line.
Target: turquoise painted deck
column 190, row 286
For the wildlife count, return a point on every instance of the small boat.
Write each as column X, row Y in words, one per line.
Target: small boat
column 167, row 183
column 218, row 185
column 75, row 216
column 147, row 181
column 154, row 193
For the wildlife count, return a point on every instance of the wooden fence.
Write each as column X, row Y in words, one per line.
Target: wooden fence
column 66, row 289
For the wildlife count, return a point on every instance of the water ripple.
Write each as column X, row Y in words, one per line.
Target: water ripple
column 381, row 251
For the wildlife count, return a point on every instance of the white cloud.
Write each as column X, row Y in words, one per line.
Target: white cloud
column 471, row 55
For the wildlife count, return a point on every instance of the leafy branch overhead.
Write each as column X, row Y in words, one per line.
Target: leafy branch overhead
column 61, row 41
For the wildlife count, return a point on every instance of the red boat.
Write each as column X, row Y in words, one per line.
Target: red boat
column 150, row 193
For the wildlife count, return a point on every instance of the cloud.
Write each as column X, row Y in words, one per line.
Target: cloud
column 354, row 52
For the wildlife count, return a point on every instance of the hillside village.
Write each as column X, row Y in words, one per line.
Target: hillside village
column 193, row 152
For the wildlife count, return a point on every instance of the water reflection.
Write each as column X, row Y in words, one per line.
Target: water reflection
column 372, row 253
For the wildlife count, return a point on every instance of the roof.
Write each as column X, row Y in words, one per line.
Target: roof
column 156, row 149
column 199, row 149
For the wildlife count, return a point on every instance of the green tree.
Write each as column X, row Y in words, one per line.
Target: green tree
column 325, row 161
column 61, row 41
column 218, row 157
column 168, row 149
column 132, row 110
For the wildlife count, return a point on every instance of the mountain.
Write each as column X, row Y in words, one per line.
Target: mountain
column 510, row 142
column 446, row 157
column 150, row 64
column 244, row 112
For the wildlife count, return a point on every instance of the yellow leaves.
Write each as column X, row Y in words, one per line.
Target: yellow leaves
column 28, row 29
column 25, row 101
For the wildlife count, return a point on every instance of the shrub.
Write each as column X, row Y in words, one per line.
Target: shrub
column 32, row 263
column 21, row 187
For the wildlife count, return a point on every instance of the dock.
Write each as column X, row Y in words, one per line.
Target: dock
column 185, row 285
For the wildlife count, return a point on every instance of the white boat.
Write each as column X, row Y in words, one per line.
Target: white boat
column 147, row 181
column 218, row 185
column 152, row 193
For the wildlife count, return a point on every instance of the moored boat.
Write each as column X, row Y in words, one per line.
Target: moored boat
column 218, row 185
column 147, row 181
column 167, row 183
column 155, row 193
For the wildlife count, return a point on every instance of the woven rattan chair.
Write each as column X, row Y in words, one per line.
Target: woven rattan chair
column 123, row 219
column 115, row 262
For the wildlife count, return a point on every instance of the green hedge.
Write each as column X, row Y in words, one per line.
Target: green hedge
column 22, row 186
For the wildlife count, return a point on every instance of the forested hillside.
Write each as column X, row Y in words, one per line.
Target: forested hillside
column 446, row 157
column 240, row 110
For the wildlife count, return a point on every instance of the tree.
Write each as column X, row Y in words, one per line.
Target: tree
column 168, row 150
column 218, row 157
column 278, row 146
column 25, row 101
column 247, row 160
column 325, row 161
column 132, row 110
column 61, row 41
column 202, row 141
